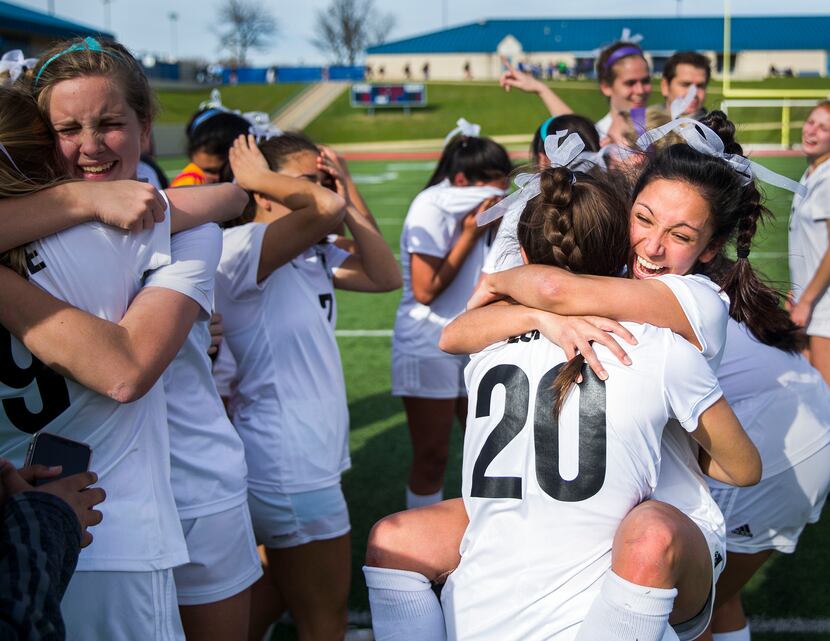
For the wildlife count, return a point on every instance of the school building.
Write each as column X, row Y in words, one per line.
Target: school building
column 796, row 43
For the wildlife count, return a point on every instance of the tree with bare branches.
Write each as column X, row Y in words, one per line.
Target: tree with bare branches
column 245, row 25
column 347, row 27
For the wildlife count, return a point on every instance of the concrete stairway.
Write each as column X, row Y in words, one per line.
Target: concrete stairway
column 298, row 113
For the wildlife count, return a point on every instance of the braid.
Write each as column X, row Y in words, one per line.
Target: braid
column 557, row 227
column 579, row 223
column 751, row 301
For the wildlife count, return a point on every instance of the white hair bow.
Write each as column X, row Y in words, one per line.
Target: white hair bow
column 215, row 101
column 703, row 139
column 626, row 36
column 464, row 128
column 16, row 63
column 261, row 126
column 679, row 104
column 530, row 185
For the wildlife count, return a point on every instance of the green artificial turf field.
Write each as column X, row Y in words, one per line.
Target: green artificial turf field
column 788, row 587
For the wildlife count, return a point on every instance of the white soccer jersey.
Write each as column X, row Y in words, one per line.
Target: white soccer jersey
column 545, row 497
column 681, row 482
column 808, row 240
column 290, row 404
column 781, row 400
column 432, row 227
column 206, row 454
column 100, row 269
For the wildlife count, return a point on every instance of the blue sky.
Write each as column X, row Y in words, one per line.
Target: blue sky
column 144, row 26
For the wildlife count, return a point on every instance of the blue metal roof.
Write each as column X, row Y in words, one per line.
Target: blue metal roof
column 16, row 18
column 587, row 34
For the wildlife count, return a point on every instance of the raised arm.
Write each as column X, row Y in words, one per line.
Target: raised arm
column 120, row 360
column 372, row 267
column 314, row 210
column 559, row 291
column 513, row 78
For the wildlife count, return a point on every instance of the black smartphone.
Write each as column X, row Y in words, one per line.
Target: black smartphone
column 50, row 449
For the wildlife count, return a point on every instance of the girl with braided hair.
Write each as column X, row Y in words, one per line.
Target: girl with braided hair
column 687, row 205
column 520, row 489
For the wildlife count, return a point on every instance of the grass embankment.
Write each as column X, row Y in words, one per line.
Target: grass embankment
column 180, row 104
column 501, row 113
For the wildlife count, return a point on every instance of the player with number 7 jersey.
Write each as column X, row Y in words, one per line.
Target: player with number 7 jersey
column 545, row 493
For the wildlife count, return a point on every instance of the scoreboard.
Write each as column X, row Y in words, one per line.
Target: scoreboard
column 372, row 96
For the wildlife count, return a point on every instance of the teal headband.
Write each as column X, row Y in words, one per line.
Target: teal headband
column 543, row 128
column 87, row 44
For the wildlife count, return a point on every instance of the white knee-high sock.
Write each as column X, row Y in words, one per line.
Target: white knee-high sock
column 624, row 611
column 404, row 607
column 738, row 635
column 422, row 500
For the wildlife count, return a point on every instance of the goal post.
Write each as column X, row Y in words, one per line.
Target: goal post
column 756, row 118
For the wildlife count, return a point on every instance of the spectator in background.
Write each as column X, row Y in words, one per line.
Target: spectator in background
column 425, row 71
column 682, row 70
column 468, row 73
column 42, row 532
column 624, row 78
column 407, row 71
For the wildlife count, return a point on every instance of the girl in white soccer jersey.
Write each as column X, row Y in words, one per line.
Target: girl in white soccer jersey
column 550, row 480
column 110, row 88
column 442, row 252
column 275, row 291
column 778, row 397
column 207, row 458
column 671, row 232
column 102, row 112
column 809, row 248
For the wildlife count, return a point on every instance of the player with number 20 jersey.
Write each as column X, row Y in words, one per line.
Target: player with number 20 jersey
column 545, row 495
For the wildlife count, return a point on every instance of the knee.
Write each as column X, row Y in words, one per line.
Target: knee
column 648, row 545
column 431, row 460
column 383, row 548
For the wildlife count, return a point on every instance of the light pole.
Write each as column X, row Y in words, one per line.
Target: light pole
column 445, row 11
column 107, row 14
column 174, row 49
column 51, row 5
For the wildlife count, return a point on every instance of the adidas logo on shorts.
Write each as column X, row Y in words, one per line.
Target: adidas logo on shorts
column 742, row 531
column 718, row 558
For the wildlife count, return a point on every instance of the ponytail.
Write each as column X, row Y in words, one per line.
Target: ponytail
column 479, row 159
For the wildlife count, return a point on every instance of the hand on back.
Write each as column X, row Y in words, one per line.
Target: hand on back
column 125, row 204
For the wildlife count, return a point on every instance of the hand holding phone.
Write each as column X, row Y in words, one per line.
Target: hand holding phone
column 51, row 451
column 74, row 490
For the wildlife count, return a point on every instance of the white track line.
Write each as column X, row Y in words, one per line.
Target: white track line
column 758, row 624
column 790, row 626
column 363, row 333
